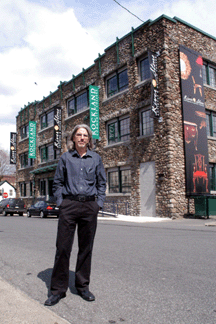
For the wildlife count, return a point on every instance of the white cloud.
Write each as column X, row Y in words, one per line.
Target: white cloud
column 41, row 45
column 46, row 44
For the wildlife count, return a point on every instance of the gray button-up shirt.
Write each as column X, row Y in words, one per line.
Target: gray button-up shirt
column 76, row 175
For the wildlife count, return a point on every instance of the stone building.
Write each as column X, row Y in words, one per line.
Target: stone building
column 143, row 156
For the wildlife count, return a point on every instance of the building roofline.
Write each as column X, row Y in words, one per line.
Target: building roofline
column 195, row 28
column 2, row 182
column 148, row 22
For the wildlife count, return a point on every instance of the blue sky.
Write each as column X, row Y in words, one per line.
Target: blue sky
column 47, row 41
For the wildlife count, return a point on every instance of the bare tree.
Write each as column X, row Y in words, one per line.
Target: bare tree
column 5, row 166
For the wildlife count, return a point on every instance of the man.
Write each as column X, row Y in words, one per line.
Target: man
column 79, row 186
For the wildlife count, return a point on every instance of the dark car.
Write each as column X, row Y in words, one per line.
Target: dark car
column 12, row 206
column 43, row 209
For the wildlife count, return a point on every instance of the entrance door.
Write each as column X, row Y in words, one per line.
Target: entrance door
column 147, row 188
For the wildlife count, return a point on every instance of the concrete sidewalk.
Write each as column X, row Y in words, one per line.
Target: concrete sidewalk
column 134, row 219
column 17, row 308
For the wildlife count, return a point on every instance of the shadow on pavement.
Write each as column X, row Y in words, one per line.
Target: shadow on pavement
column 45, row 276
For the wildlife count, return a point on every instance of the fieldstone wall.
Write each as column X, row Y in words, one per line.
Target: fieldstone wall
column 165, row 147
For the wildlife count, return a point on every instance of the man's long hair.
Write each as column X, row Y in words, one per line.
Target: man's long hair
column 71, row 145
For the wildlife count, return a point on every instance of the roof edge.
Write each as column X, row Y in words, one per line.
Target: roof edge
column 195, row 28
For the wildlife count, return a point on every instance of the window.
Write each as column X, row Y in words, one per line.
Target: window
column 209, row 74
column 48, row 153
column 119, row 180
column 77, row 104
column 23, row 189
column 47, row 119
column 146, row 123
column 42, row 187
column 212, row 175
column 10, row 192
column 24, row 131
column 211, row 123
column 31, row 188
column 119, row 130
column 25, row 161
column 144, row 69
column 117, row 83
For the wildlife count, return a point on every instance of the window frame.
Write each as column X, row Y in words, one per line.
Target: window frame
column 24, row 131
column 25, row 161
column 211, row 123
column 151, row 127
column 46, row 148
column 120, row 186
column 212, row 176
column 143, row 58
column 119, row 89
column 77, row 109
column 23, row 189
column 48, row 122
column 119, row 136
column 207, row 80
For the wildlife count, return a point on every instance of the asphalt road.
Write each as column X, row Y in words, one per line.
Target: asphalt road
column 148, row 273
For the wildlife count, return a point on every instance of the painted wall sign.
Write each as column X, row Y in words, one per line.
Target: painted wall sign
column 57, row 128
column 94, row 111
column 32, row 140
column 194, row 121
column 13, row 147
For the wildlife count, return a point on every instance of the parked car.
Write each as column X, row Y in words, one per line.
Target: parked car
column 43, row 209
column 12, row 206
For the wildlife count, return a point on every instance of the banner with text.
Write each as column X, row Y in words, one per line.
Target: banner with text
column 57, row 128
column 94, row 111
column 153, row 63
column 13, row 147
column 194, row 121
column 32, row 140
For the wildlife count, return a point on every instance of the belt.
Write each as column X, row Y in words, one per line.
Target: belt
column 80, row 197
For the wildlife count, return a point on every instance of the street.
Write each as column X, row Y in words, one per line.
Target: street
column 142, row 273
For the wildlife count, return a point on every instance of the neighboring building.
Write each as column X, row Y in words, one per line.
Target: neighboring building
column 144, row 157
column 8, row 189
column 11, row 178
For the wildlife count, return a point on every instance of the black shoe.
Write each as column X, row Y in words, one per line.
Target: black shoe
column 86, row 294
column 54, row 299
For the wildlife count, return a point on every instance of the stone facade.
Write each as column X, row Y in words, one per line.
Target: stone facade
column 165, row 146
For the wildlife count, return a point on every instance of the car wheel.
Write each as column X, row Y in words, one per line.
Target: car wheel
column 11, row 214
column 4, row 213
column 28, row 214
column 20, row 214
column 42, row 214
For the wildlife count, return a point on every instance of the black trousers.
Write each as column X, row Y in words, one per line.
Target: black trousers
column 72, row 214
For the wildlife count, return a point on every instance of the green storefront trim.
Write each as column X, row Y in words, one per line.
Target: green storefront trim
column 44, row 169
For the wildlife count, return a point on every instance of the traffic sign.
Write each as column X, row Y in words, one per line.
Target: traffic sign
column 5, row 195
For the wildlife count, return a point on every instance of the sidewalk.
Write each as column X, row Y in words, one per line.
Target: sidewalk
column 17, row 308
column 134, row 219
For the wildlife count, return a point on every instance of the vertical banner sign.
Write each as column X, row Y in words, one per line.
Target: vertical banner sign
column 57, row 128
column 153, row 63
column 32, row 140
column 13, row 148
column 194, row 120
column 94, row 111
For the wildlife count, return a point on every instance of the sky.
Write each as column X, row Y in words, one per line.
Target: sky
column 43, row 42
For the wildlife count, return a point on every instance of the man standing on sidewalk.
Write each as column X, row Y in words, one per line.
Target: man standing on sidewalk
column 79, row 186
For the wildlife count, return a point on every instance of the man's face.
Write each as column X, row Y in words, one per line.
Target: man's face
column 81, row 138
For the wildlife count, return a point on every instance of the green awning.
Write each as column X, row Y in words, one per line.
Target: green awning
column 44, row 169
